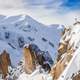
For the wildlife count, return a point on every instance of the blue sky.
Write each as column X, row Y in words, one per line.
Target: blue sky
column 72, row 4
column 51, row 4
column 66, row 3
column 45, row 11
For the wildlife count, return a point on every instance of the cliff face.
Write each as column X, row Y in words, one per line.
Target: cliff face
column 4, row 63
column 70, row 40
column 69, row 43
column 68, row 59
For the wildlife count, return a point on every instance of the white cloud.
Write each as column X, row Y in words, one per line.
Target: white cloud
column 47, row 17
column 45, row 11
column 7, row 4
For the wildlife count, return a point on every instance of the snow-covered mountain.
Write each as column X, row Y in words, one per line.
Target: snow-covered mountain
column 67, row 66
column 72, row 51
column 15, row 31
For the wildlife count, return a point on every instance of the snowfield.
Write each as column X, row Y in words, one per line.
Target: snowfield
column 15, row 31
column 36, row 75
column 18, row 30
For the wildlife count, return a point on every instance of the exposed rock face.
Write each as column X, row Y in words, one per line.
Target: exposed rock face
column 57, row 70
column 64, row 43
column 69, row 43
column 33, row 57
column 62, row 48
column 4, row 63
column 76, row 76
column 64, row 54
column 29, row 66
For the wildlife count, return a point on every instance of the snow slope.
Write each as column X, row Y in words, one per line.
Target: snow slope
column 13, row 52
column 38, row 74
column 15, row 31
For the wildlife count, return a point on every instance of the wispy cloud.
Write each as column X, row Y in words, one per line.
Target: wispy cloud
column 45, row 11
column 54, row 11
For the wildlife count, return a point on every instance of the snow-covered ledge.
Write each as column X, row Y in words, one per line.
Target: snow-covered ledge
column 73, row 66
